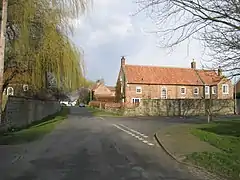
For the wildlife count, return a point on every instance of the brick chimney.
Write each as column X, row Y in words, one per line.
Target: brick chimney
column 219, row 71
column 193, row 64
column 123, row 61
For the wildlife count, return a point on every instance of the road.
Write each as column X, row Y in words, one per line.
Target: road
column 93, row 148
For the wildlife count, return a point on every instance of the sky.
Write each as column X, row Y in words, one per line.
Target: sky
column 109, row 30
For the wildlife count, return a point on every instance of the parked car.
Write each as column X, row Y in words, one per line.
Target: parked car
column 81, row 105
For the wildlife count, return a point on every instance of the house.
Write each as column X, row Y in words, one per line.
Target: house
column 101, row 92
column 136, row 82
column 15, row 83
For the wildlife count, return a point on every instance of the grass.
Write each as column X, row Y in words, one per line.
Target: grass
column 102, row 113
column 225, row 135
column 34, row 131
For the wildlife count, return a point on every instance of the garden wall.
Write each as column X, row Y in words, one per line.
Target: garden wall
column 20, row 112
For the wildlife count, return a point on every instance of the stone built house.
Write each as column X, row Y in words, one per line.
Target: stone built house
column 101, row 92
column 137, row 82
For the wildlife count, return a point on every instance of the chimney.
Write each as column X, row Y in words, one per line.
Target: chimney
column 193, row 64
column 123, row 61
column 219, row 71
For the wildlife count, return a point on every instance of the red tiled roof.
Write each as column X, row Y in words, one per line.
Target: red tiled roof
column 169, row 75
column 95, row 86
column 111, row 88
column 209, row 77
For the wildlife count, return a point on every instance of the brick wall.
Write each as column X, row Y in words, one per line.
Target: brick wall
column 180, row 107
column 173, row 92
column 20, row 112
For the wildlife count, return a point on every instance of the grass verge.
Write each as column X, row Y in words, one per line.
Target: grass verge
column 224, row 135
column 34, row 131
column 102, row 113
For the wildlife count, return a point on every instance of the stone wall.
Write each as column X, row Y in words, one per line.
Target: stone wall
column 181, row 107
column 20, row 112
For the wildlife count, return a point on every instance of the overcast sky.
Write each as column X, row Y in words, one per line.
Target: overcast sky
column 109, row 31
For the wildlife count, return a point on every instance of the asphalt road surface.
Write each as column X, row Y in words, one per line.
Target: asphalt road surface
column 84, row 147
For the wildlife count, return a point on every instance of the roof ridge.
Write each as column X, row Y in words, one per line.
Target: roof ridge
column 161, row 66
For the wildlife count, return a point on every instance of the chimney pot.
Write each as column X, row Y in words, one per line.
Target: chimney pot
column 193, row 64
column 219, row 71
column 123, row 61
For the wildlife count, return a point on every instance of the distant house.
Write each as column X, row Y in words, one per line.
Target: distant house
column 103, row 93
column 136, row 82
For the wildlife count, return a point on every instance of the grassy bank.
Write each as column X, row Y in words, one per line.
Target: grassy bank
column 225, row 135
column 100, row 112
column 34, row 131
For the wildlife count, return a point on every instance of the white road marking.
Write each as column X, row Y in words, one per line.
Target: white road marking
column 130, row 133
column 141, row 134
column 101, row 118
column 150, row 144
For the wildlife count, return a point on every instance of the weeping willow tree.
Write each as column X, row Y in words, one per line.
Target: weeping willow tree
column 37, row 43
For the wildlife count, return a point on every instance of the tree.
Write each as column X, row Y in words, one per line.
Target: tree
column 37, row 42
column 215, row 22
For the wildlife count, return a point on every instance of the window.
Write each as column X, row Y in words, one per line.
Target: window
column 138, row 90
column 136, row 100
column 25, row 87
column 121, row 88
column 195, row 90
column 183, row 90
column 225, row 89
column 164, row 93
column 10, row 91
column 214, row 90
column 206, row 89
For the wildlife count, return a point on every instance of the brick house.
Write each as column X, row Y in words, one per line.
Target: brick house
column 101, row 92
column 137, row 82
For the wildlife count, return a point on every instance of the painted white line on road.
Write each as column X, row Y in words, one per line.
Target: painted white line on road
column 150, row 144
column 141, row 134
column 101, row 118
column 130, row 133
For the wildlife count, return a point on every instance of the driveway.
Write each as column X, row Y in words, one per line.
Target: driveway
column 93, row 148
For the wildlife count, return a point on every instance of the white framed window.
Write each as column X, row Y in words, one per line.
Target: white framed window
column 196, row 90
column 10, row 91
column 25, row 87
column 164, row 93
column 136, row 100
column 225, row 89
column 206, row 89
column 214, row 90
column 183, row 90
column 138, row 90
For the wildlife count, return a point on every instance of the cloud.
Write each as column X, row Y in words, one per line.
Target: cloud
column 109, row 31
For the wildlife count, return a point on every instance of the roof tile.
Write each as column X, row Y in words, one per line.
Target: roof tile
column 169, row 75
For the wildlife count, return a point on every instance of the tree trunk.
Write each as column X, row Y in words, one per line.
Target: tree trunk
column 2, row 48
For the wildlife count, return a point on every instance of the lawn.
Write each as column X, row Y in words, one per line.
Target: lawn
column 34, row 131
column 102, row 113
column 225, row 135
